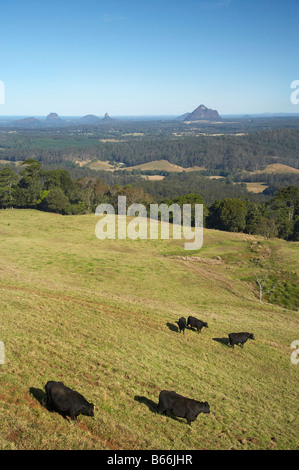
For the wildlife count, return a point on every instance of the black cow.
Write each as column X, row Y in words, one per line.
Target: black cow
column 180, row 406
column 239, row 338
column 195, row 323
column 66, row 401
column 182, row 324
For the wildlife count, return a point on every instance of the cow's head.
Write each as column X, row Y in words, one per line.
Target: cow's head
column 89, row 410
column 202, row 407
column 251, row 336
column 206, row 407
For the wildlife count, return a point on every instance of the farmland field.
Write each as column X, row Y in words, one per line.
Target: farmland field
column 101, row 317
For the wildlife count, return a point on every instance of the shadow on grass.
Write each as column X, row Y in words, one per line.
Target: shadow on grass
column 172, row 327
column 149, row 403
column 39, row 395
column 224, row 341
column 153, row 407
column 191, row 328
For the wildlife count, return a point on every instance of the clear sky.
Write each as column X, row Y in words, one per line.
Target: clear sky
column 148, row 57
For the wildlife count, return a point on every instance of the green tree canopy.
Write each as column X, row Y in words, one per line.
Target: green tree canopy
column 8, row 183
column 229, row 215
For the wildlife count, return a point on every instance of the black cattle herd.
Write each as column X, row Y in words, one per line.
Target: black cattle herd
column 68, row 402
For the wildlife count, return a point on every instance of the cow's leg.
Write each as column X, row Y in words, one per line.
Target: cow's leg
column 72, row 414
column 49, row 404
column 160, row 410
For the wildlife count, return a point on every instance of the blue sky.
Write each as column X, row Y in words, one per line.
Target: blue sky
column 148, row 57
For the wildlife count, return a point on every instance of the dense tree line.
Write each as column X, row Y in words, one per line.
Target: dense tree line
column 279, row 217
column 273, row 181
column 56, row 191
column 179, row 184
column 249, row 152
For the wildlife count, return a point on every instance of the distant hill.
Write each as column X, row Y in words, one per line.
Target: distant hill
column 276, row 168
column 27, row 122
column 89, row 119
column 162, row 165
column 203, row 113
column 53, row 119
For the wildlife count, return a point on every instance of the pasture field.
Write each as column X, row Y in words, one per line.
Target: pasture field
column 101, row 317
column 276, row 168
column 162, row 165
column 256, row 187
column 157, row 165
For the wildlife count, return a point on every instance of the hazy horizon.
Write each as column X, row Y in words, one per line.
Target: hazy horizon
column 138, row 116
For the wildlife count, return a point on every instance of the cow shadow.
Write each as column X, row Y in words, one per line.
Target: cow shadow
column 172, row 327
column 153, row 407
column 191, row 328
column 223, row 341
column 39, row 395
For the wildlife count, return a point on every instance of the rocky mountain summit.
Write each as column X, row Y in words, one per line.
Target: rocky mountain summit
column 203, row 113
column 53, row 117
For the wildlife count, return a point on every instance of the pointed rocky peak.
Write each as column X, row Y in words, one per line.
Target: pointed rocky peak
column 107, row 118
column 202, row 113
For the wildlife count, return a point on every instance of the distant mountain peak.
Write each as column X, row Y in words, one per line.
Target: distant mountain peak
column 202, row 113
column 107, row 118
column 52, row 117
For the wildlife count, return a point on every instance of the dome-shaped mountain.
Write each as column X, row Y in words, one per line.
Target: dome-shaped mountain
column 53, row 117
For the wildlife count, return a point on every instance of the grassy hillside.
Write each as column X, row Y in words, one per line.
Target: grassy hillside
column 276, row 168
column 101, row 317
column 157, row 165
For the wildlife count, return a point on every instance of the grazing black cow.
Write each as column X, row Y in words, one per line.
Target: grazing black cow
column 181, row 406
column 182, row 324
column 66, row 401
column 239, row 338
column 195, row 323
